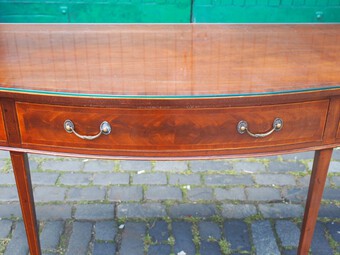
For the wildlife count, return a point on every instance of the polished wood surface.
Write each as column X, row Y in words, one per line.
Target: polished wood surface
column 192, row 59
column 150, row 132
column 24, row 186
column 316, row 187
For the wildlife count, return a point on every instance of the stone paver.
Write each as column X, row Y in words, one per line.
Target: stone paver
column 238, row 211
column 198, row 194
column 320, row 244
column 244, row 190
column 133, row 239
column 210, row 165
column 181, row 179
column 183, row 237
column 149, row 178
column 288, row 233
column 192, row 210
column 105, row 230
column 80, row 238
column 334, row 230
column 299, row 156
column 5, row 228
column 228, row 180
column 208, row 248
column 331, row 194
column 145, row 210
column 7, row 179
column 135, row 165
column 173, row 166
column 334, row 167
column 209, row 229
column 236, row 233
column 18, row 244
column 278, row 166
column 336, row 180
column 50, row 235
column 88, row 194
column 94, row 212
column 75, row 179
column 329, row 211
column 163, row 193
column 159, row 249
column 48, row 194
column 281, row 210
column 54, row 212
column 263, row 194
column 127, row 193
column 159, row 231
column 103, row 248
column 64, row 165
column 39, row 178
column 296, row 195
column 99, row 166
column 230, row 194
column 249, row 167
column 8, row 194
column 275, row 179
column 111, row 179
column 10, row 210
column 263, row 238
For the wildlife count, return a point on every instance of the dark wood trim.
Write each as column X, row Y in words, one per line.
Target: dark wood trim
column 317, row 183
column 24, row 186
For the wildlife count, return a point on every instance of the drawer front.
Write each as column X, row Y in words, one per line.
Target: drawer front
column 3, row 137
column 171, row 129
column 338, row 133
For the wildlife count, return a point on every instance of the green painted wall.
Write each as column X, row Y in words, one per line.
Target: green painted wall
column 169, row 11
column 266, row 11
column 110, row 11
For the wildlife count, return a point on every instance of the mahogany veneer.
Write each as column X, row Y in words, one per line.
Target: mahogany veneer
column 3, row 137
column 156, row 132
column 169, row 91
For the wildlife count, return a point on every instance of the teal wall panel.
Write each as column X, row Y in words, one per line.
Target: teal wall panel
column 169, row 11
column 266, row 11
column 111, row 11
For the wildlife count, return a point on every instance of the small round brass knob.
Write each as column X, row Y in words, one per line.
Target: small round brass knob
column 105, row 129
column 68, row 127
column 243, row 128
column 278, row 125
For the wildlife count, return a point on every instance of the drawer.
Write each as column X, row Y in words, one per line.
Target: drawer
column 338, row 133
column 157, row 130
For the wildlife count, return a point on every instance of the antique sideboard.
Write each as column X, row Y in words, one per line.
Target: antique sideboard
column 169, row 92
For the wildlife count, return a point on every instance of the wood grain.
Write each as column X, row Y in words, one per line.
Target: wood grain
column 24, row 185
column 161, row 60
column 317, row 183
column 152, row 131
column 3, row 137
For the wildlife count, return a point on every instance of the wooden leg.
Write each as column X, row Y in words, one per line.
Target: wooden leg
column 24, row 186
column 322, row 159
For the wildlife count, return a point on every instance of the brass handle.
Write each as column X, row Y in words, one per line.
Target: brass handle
column 242, row 127
column 105, row 129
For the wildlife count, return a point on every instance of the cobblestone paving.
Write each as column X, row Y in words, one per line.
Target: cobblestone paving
column 208, row 207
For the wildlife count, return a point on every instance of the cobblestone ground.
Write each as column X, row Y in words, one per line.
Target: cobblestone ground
column 247, row 206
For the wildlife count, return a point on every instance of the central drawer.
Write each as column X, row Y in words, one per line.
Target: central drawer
column 171, row 129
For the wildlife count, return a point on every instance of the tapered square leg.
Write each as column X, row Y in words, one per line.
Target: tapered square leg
column 322, row 159
column 24, row 186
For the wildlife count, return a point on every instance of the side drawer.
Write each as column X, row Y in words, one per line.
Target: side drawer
column 153, row 130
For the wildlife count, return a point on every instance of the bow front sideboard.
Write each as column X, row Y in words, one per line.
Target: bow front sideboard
column 169, row 92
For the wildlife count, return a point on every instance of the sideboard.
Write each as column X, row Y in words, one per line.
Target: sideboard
column 169, row 92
